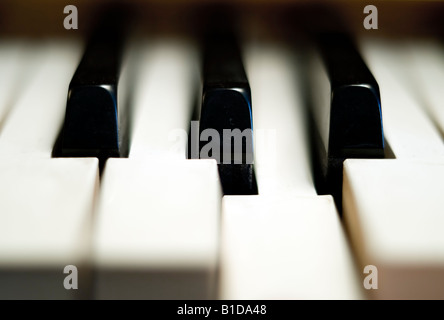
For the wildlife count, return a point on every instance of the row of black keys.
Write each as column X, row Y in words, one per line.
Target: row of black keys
column 91, row 127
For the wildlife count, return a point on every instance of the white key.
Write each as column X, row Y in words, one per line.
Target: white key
column 36, row 118
column 47, row 204
column 392, row 207
column 281, row 147
column 408, row 129
column 163, row 98
column 15, row 60
column 285, row 247
column 157, row 222
column 285, row 243
column 394, row 212
column 45, row 225
column 426, row 75
column 157, row 234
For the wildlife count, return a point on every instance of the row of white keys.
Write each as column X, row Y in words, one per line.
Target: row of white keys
column 47, row 204
column 393, row 208
column 156, row 234
column 287, row 242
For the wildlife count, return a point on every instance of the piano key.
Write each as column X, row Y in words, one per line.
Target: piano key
column 45, row 224
column 282, row 158
column 94, row 123
column 226, row 122
column 393, row 211
column 14, row 61
column 156, row 235
column 408, row 130
column 346, row 111
column 157, row 223
column 161, row 119
column 47, row 206
column 285, row 247
column 32, row 124
column 276, row 245
column 388, row 196
column 426, row 76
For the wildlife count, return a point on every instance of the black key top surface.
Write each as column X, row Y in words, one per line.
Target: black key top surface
column 93, row 126
column 355, row 117
column 226, row 121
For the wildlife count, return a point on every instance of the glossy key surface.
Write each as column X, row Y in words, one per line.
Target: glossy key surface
column 95, row 123
column 226, row 121
column 346, row 111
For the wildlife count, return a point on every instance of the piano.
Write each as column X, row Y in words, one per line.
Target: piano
column 110, row 203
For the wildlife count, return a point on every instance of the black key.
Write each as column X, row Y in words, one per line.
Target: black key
column 346, row 112
column 226, row 121
column 94, row 124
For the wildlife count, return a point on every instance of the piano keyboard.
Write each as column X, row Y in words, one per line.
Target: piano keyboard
column 157, row 225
